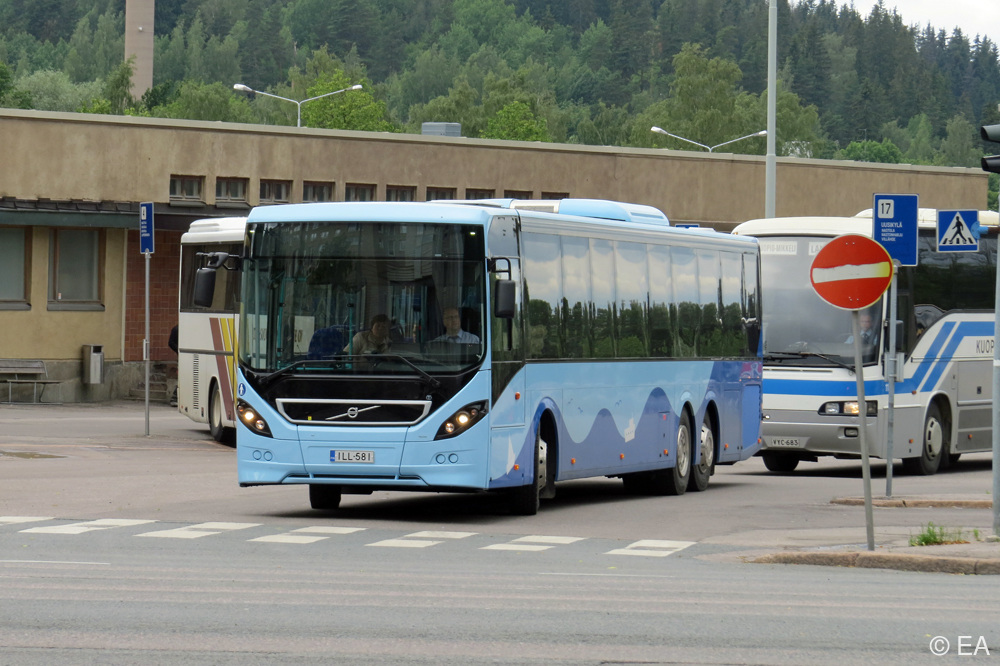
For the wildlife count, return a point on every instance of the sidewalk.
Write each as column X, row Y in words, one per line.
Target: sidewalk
column 979, row 554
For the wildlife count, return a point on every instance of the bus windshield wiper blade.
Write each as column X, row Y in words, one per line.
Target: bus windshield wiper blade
column 430, row 378
column 774, row 356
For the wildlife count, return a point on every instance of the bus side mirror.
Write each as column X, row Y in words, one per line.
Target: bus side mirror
column 504, row 299
column 204, row 287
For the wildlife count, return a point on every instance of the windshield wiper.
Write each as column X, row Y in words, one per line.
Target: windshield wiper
column 775, row 356
column 271, row 377
column 430, row 378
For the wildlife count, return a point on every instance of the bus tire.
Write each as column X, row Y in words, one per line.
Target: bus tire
column 702, row 472
column 934, row 445
column 215, row 407
column 525, row 500
column 324, row 497
column 779, row 461
column 674, row 481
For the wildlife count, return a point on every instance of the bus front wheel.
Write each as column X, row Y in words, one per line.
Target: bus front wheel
column 778, row 461
column 324, row 497
column 525, row 500
column 935, row 445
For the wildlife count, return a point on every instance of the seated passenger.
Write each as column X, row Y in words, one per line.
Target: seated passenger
column 373, row 341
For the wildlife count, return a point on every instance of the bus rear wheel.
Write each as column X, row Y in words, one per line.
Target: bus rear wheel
column 525, row 500
column 215, row 414
column 935, row 445
column 674, row 481
column 702, row 472
column 324, row 497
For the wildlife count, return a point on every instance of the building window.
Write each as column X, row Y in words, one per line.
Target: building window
column 230, row 190
column 400, row 193
column 474, row 193
column 75, row 269
column 312, row 191
column 435, row 193
column 555, row 195
column 355, row 192
column 186, row 188
column 275, row 191
column 14, row 265
column 516, row 194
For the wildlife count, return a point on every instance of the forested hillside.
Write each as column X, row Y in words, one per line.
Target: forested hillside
column 579, row 71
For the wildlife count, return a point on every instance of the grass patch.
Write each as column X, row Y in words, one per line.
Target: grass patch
column 936, row 535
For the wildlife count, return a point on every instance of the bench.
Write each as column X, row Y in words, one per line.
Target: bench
column 22, row 371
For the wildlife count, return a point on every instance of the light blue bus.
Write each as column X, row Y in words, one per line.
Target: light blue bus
column 492, row 345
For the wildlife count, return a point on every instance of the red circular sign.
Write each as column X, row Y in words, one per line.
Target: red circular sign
column 851, row 272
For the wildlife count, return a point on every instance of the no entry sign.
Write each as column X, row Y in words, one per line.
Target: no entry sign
column 851, row 272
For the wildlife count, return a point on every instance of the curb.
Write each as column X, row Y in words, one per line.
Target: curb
column 916, row 502
column 898, row 561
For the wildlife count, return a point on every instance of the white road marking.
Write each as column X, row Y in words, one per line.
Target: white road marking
column 651, row 548
column 305, row 535
column 198, row 531
column 89, row 526
column 533, row 543
column 421, row 539
column 17, row 520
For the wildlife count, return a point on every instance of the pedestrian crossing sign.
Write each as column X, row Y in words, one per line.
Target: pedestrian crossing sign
column 958, row 231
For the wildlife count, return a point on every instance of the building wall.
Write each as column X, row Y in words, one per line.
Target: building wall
column 66, row 170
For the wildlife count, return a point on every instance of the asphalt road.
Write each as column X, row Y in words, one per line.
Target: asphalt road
column 117, row 548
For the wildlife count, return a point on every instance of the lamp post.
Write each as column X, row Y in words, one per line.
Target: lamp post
column 659, row 130
column 298, row 104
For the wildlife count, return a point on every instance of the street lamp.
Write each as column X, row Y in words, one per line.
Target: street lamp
column 298, row 104
column 659, row 130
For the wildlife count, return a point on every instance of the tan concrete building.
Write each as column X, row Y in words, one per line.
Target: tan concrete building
column 72, row 277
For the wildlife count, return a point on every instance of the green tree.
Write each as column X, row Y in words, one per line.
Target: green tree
column 352, row 109
column 516, row 122
column 884, row 152
column 206, row 101
column 53, row 91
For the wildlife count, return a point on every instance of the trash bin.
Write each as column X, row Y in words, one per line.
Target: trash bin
column 93, row 364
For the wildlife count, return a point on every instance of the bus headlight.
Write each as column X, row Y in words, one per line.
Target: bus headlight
column 461, row 420
column 848, row 408
column 249, row 417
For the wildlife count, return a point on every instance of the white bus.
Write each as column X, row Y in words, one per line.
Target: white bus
column 206, row 337
column 945, row 339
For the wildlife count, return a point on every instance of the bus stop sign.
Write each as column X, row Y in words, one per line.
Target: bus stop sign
column 851, row 272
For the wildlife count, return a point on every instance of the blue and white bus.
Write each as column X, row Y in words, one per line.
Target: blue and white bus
column 943, row 385
column 596, row 340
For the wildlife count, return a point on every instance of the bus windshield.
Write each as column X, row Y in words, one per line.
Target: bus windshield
column 801, row 328
column 350, row 296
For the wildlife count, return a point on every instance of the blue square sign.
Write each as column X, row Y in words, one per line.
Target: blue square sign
column 894, row 226
column 958, row 231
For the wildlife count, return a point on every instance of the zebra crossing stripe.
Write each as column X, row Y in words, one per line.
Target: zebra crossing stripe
column 89, row 526
column 651, row 548
column 17, row 520
column 305, row 535
column 198, row 531
column 421, row 539
column 533, row 543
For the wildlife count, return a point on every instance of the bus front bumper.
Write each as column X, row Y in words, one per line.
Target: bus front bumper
column 813, row 434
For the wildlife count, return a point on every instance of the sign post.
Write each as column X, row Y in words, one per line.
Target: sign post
column 851, row 272
column 146, row 248
column 894, row 227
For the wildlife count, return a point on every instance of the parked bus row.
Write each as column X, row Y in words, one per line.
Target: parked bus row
column 506, row 345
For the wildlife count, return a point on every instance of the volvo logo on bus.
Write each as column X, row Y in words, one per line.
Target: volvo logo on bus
column 352, row 412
